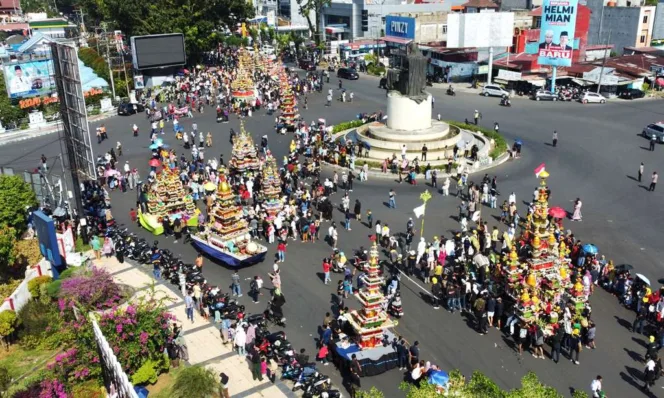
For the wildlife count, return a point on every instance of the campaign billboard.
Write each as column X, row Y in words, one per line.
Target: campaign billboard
column 29, row 79
column 403, row 27
column 557, row 32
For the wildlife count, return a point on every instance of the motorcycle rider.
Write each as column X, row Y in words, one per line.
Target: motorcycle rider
column 450, row 90
column 505, row 100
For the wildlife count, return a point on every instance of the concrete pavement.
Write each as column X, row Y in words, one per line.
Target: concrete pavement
column 202, row 336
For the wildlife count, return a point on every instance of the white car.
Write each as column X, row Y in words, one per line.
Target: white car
column 267, row 49
column 590, row 98
column 494, row 90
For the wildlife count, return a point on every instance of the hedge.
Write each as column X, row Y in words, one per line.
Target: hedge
column 500, row 143
column 346, row 125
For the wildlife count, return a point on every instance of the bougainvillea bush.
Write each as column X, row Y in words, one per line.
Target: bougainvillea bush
column 93, row 290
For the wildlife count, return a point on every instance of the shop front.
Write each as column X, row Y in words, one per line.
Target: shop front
column 399, row 33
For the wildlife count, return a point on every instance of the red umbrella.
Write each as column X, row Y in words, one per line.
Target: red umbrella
column 154, row 162
column 557, row 212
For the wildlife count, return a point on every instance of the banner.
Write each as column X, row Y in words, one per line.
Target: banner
column 557, row 32
column 29, row 79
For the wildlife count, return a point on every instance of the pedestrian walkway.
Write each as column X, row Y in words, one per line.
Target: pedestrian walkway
column 202, row 337
column 12, row 136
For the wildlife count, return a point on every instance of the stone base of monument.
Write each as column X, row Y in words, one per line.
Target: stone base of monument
column 409, row 122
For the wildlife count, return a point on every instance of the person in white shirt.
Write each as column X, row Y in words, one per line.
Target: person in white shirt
column 403, row 152
column 127, row 169
column 512, row 198
column 596, row 387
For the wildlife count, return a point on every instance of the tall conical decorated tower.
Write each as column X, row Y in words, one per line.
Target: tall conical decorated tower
column 540, row 281
column 371, row 320
column 244, row 157
column 271, row 188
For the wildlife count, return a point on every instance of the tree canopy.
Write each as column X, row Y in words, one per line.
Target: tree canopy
column 15, row 197
column 306, row 7
column 199, row 20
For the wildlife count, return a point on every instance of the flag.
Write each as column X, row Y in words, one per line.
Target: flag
column 539, row 169
column 419, row 211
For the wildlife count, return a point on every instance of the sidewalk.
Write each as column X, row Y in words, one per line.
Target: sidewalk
column 12, row 136
column 202, row 337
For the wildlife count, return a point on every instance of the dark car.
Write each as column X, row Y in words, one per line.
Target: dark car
column 632, row 93
column 307, row 64
column 348, row 73
column 544, row 95
column 130, row 108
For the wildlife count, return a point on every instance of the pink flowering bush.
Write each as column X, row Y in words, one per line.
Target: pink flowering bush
column 93, row 290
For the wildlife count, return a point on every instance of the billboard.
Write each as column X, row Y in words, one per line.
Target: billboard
column 48, row 242
column 403, row 27
column 482, row 30
column 29, row 79
column 158, row 51
column 557, row 32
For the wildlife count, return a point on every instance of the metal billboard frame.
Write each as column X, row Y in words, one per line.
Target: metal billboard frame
column 75, row 131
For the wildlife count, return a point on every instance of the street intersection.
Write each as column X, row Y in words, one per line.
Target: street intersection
column 596, row 159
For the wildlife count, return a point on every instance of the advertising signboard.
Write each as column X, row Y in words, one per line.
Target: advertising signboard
column 483, row 30
column 159, row 51
column 557, row 32
column 29, row 79
column 509, row 75
column 403, row 27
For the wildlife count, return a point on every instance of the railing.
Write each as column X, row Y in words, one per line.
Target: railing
column 116, row 380
column 17, row 300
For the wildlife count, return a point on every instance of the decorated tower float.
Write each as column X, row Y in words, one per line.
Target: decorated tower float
column 167, row 197
column 226, row 237
column 242, row 87
column 370, row 326
column 540, row 284
column 289, row 112
column 270, row 194
column 244, row 157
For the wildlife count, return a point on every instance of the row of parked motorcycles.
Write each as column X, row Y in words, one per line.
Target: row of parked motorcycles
column 273, row 346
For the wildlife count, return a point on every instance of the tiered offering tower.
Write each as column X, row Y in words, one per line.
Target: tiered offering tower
column 271, row 188
column 243, row 87
column 371, row 320
column 167, row 196
column 541, row 281
column 289, row 111
column 244, row 157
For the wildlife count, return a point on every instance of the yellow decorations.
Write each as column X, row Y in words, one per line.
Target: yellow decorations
column 552, row 239
column 532, row 280
column 223, row 187
column 536, row 300
column 563, row 273
column 536, row 242
column 525, row 297
column 513, row 255
column 544, row 175
column 578, row 287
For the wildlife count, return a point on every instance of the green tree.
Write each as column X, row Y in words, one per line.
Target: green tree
column 195, row 381
column 198, row 20
column 16, row 196
column 8, row 251
column 306, row 7
column 372, row 393
column 283, row 41
column 481, row 386
column 7, row 326
column 531, row 387
column 9, row 113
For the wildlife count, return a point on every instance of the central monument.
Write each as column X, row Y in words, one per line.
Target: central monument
column 409, row 117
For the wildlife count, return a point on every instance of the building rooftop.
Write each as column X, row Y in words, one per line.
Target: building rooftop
column 634, row 65
column 480, row 4
column 50, row 23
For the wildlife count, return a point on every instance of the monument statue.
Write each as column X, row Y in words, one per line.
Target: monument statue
column 411, row 80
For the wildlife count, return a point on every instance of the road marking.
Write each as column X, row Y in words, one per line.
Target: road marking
column 609, row 220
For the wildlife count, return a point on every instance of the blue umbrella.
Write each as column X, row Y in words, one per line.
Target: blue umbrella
column 153, row 146
column 589, row 248
column 439, row 378
column 518, row 141
column 159, row 142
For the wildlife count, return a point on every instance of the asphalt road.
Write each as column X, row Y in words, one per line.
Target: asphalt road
column 596, row 160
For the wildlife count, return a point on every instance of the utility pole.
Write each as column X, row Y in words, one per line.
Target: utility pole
column 108, row 59
column 601, row 71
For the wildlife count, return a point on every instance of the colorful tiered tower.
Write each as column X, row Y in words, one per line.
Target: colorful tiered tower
column 244, row 157
column 371, row 320
column 541, row 280
column 289, row 111
column 271, row 188
column 167, row 196
column 242, row 87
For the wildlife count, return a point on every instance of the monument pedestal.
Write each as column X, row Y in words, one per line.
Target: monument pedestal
column 409, row 122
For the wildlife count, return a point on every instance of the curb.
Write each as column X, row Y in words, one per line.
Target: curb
column 376, row 173
column 22, row 135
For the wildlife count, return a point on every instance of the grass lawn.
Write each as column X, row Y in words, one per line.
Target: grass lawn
column 162, row 388
column 20, row 362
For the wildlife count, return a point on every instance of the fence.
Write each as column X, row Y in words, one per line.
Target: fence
column 116, row 380
column 17, row 300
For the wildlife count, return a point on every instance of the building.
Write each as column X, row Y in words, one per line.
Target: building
column 289, row 10
column 658, row 25
column 472, row 6
column 620, row 24
column 55, row 28
column 347, row 20
column 11, row 16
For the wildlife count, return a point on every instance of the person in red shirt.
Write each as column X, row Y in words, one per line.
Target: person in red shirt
column 322, row 354
column 132, row 215
column 326, row 271
column 281, row 251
